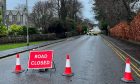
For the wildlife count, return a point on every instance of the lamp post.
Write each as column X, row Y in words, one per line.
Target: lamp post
column 27, row 23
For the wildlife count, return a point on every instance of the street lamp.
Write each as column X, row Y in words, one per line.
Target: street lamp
column 27, row 22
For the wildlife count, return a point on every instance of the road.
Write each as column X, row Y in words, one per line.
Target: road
column 92, row 61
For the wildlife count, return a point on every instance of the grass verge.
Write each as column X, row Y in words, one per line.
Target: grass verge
column 16, row 45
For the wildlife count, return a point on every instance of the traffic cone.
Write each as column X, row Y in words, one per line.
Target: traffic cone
column 128, row 75
column 18, row 68
column 68, row 70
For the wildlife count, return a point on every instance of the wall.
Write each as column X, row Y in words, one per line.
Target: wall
column 41, row 37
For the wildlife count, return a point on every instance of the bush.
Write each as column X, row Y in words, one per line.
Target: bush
column 70, row 25
column 127, row 30
column 15, row 29
column 57, row 27
column 84, row 28
column 103, row 27
column 120, row 30
column 32, row 30
column 134, row 32
column 79, row 28
column 74, row 24
column 3, row 30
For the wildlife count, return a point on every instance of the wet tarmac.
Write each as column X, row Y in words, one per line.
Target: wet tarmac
column 92, row 61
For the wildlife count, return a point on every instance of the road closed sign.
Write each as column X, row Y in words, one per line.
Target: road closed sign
column 40, row 59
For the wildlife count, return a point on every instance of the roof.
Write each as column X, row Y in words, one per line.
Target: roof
column 14, row 12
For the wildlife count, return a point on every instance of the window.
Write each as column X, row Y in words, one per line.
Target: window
column 10, row 18
column 14, row 18
column 18, row 19
column 21, row 19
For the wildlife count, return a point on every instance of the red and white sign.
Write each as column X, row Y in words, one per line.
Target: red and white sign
column 40, row 59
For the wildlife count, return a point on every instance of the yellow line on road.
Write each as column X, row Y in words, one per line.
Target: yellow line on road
column 131, row 64
column 122, row 57
column 124, row 52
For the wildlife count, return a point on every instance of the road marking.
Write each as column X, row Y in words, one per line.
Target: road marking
column 131, row 63
column 137, row 73
column 123, row 51
column 123, row 57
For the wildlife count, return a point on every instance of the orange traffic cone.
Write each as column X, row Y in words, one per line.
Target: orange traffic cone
column 128, row 75
column 68, row 70
column 18, row 68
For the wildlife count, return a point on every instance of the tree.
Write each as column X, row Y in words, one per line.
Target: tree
column 113, row 11
column 41, row 15
column 74, row 7
column 44, row 12
column 67, row 8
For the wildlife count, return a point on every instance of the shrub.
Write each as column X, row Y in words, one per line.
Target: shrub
column 3, row 30
column 127, row 30
column 59, row 26
column 56, row 26
column 15, row 29
column 79, row 28
column 135, row 28
column 103, row 25
column 32, row 30
column 84, row 28
column 120, row 30
column 70, row 25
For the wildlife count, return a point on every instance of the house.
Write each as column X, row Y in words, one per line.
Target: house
column 15, row 17
column 10, row 17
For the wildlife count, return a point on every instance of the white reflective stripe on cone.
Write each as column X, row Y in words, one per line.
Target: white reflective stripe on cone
column 18, row 61
column 67, row 63
column 127, row 68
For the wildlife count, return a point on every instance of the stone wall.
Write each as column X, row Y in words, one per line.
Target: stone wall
column 36, row 37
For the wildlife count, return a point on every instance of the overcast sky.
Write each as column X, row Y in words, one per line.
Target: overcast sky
column 11, row 4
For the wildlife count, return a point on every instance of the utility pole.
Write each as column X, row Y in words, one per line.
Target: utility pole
column 27, row 23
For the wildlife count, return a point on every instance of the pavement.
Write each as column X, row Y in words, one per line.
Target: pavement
column 14, row 51
column 92, row 62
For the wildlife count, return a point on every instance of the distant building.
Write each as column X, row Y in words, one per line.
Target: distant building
column 15, row 17
column 10, row 17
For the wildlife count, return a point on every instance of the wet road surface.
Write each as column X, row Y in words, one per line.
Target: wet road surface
column 92, row 61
